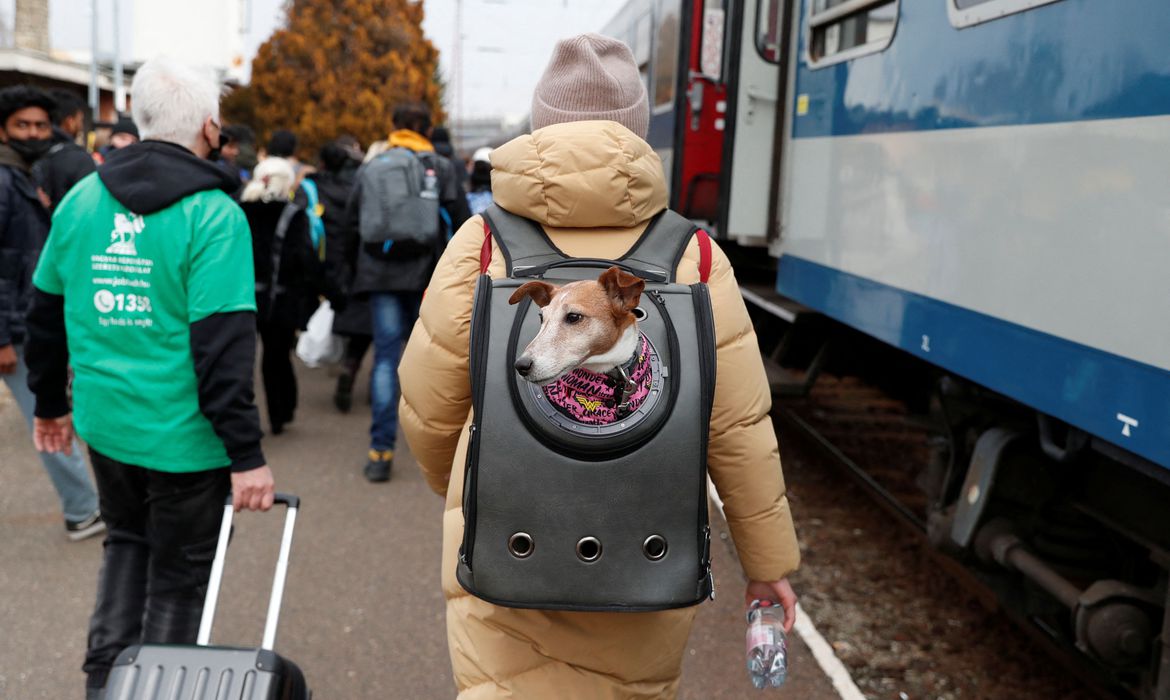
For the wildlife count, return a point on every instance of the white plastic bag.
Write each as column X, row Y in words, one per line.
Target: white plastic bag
column 317, row 345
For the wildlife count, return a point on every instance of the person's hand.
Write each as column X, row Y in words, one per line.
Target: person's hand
column 53, row 434
column 778, row 592
column 253, row 489
column 8, row 359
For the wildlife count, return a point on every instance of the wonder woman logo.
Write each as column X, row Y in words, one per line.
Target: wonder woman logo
column 590, row 406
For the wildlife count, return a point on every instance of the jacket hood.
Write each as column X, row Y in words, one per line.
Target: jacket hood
column 590, row 174
column 152, row 175
column 11, row 158
column 59, row 136
column 405, row 138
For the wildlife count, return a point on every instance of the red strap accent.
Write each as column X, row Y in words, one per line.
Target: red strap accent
column 704, row 256
column 485, row 253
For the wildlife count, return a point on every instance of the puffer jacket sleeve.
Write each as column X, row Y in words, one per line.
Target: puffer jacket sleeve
column 743, row 457
column 436, row 387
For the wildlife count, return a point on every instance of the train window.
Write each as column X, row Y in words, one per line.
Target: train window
column 844, row 29
column 641, row 47
column 768, row 29
column 966, row 13
column 666, row 53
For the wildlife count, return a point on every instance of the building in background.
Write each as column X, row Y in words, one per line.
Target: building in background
column 26, row 54
column 50, row 42
column 208, row 33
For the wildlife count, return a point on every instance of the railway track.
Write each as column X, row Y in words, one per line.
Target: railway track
column 881, row 446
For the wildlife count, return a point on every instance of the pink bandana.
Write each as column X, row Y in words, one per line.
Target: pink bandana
column 590, row 397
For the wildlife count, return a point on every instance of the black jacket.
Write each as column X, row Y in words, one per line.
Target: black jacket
column 402, row 269
column 24, row 228
column 299, row 276
column 148, row 177
column 352, row 316
column 61, row 168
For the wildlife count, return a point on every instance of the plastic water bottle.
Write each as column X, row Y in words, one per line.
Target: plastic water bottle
column 767, row 650
column 430, row 185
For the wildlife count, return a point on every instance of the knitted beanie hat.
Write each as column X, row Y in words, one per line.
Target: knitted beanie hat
column 591, row 77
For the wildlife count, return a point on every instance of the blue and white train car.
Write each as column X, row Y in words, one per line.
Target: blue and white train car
column 985, row 184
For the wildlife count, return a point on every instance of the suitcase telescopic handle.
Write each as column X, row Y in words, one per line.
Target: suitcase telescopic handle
column 293, row 503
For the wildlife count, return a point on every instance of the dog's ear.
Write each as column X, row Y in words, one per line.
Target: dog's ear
column 541, row 293
column 624, row 290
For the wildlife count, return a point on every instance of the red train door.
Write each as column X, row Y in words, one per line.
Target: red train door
column 701, row 110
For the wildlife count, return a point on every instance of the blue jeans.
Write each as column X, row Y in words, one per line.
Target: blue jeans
column 393, row 315
column 69, row 474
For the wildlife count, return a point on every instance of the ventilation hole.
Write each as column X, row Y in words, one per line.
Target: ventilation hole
column 521, row 545
column 640, row 313
column 589, row 549
column 654, row 547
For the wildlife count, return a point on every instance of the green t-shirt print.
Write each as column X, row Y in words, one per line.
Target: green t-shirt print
column 133, row 285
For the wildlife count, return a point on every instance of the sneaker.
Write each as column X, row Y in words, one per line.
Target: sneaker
column 343, row 397
column 378, row 468
column 89, row 527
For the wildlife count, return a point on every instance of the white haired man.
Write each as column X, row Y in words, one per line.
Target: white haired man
column 146, row 288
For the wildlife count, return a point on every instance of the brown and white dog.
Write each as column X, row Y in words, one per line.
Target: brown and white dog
column 587, row 325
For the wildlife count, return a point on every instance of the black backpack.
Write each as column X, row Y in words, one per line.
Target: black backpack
column 562, row 515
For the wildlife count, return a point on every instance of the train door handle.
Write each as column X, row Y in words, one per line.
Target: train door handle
column 754, row 95
column 695, row 97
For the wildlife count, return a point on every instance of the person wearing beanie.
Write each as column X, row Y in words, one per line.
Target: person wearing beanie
column 592, row 77
column 124, row 133
column 589, row 180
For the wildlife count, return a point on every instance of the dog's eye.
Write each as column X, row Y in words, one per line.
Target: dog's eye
column 572, row 318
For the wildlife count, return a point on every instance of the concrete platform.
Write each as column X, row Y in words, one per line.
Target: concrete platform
column 363, row 614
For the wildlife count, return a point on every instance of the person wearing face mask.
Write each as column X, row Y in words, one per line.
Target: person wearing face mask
column 25, row 135
column 66, row 162
column 153, row 261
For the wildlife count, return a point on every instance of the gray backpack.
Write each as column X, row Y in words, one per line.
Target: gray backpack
column 400, row 198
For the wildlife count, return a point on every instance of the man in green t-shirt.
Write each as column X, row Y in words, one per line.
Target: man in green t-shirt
column 146, row 288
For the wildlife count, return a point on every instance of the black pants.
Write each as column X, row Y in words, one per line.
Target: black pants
column 280, row 383
column 355, row 352
column 160, row 541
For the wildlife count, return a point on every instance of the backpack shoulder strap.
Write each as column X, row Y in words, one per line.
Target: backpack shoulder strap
column 663, row 243
column 282, row 226
column 522, row 241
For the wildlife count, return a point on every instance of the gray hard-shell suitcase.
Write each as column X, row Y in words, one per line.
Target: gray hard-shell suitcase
column 203, row 672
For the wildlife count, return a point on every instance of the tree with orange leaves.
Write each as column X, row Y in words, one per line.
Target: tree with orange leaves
column 339, row 67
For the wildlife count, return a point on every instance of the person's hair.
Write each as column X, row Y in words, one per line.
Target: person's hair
column 282, row 144
column 172, row 100
column 481, row 176
column 333, row 156
column 440, row 134
column 18, row 97
column 348, row 141
column 415, row 116
column 272, row 181
column 238, row 133
column 68, row 102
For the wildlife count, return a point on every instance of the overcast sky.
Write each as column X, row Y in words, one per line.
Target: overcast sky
column 506, row 44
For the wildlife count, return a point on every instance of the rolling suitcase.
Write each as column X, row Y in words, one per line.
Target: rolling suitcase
column 203, row 672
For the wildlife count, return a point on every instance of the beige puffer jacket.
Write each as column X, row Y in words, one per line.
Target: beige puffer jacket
column 594, row 186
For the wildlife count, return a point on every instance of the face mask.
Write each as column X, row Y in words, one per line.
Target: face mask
column 31, row 149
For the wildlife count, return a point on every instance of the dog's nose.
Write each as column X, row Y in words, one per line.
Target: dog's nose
column 523, row 366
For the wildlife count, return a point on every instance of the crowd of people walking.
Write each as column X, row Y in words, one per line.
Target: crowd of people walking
column 135, row 282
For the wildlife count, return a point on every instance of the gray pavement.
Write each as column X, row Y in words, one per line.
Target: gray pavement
column 363, row 613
